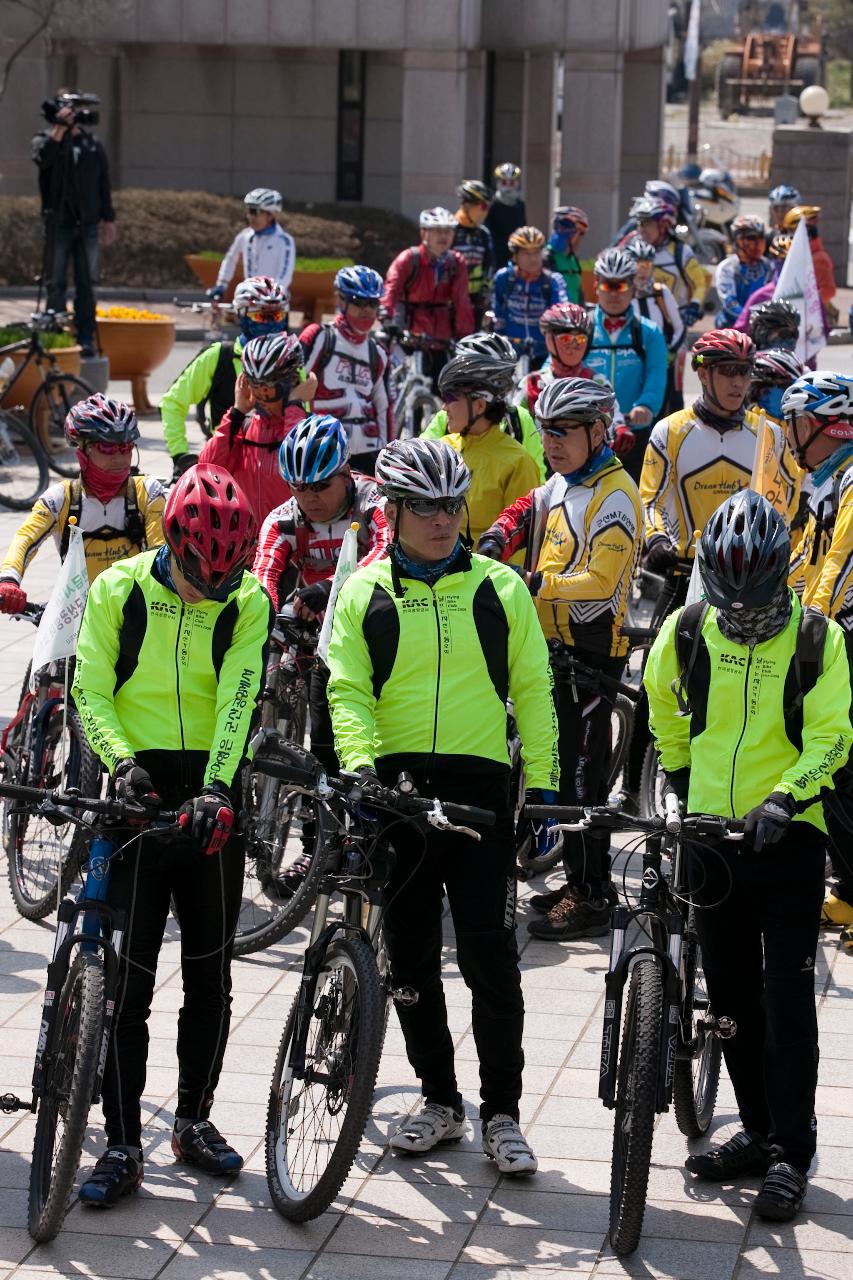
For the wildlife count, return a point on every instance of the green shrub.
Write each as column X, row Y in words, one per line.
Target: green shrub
column 157, row 228
column 839, row 82
column 50, row 341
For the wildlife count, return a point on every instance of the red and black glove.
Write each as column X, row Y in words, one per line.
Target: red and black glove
column 209, row 817
column 623, row 441
column 12, row 598
column 133, row 784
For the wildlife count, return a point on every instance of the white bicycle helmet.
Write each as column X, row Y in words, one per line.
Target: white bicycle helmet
column 436, row 217
column 263, row 198
column 272, row 358
column 640, row 250
column 615, row 264
column 257, row 292
column 421, row 469
column 578, row 399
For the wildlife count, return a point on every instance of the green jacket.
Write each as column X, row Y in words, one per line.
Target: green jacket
column 530, row 437
column 159, row 679
column 191, row 387
column 429, row 672
column 736, row 743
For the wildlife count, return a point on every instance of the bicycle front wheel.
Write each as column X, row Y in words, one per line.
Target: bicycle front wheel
column 636, row 1089
column 317, row 1115
column 621, row 724
column 48, row 411
column 64, row 1109
column 23, row 464
column 40, row 852
column 696, row 1078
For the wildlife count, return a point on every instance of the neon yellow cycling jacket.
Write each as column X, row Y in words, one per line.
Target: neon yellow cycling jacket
column 155, row 675
column 736, row 744
column 428, row 673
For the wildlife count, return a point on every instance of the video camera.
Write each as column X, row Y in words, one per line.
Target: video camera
column 83, row 107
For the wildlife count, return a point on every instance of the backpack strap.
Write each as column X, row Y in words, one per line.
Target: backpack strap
column 513, row 417
column 75, row 505
column 134, row 523
column 666, row 323
column 688, row 635
column 220, row 395
column 637, row 337
column 678, row 257
column 808, row 658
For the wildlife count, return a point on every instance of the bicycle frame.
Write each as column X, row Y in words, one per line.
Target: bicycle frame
column 35, row 352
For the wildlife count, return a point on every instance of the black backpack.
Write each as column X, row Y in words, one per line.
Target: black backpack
column 691, row 686
column 220, row 394
column 134, row 524
column 636, row 339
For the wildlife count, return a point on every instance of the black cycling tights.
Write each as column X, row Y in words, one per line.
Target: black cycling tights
column 207, row 892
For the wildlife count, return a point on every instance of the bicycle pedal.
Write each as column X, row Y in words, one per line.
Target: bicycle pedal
column 407, row 997
column 723, row 1027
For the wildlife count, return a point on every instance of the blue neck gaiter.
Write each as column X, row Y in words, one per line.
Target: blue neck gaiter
column 424, row 572
column 826, row 468
column 591, row 467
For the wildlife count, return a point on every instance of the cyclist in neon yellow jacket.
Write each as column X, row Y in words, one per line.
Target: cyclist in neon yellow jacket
column 426, row 647
column 170, row 660
column 749, row 704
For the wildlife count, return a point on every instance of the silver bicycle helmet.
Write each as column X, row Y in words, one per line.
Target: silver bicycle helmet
column 578, row 399
column 421, row 469
column 263, row 198
column 487, row 344
column 615, row 264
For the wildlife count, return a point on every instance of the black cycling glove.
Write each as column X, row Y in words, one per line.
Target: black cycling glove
column 133, row 784
column 491, row 547
column 182, row 462
column 661, row 554
column 209, row 817
column 677, row 783
column 316, row 596
column 768, row 822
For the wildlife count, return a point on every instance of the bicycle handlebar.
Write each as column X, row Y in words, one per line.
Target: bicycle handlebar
column 109, row 808
column 567, row 662
column 32, row 613
column 707, row 826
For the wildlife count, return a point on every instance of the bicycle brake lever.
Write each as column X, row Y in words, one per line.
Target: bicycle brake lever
column 436, row 817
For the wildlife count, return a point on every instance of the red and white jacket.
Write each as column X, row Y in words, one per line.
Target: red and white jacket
column 428, row 297
column 351, row 376
column 247, row 446
column 292, row 551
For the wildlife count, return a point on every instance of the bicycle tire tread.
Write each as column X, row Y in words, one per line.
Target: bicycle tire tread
column 692, row 1115
column 47, row 1211
column 371, row 1031
column 639, row 1058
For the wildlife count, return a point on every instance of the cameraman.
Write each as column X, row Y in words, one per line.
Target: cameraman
column 74, row 183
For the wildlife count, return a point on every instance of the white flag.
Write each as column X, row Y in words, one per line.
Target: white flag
column 347, row 561
column 797, row 285
column 57, row 632
column 691, row 42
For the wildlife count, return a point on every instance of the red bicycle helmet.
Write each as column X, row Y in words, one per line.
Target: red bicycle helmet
column 210, row 529
column 720, row 345
column 566, row 317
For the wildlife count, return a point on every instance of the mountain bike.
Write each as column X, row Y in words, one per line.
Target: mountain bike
column 281, row 826
column 328, row 1059
column 670, row 1038
column 79, row 999
column 413, row 399
column 23, row 463
column 586, row 682
column 44, row 745
column 52, row 400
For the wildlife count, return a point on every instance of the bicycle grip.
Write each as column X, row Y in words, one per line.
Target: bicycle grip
column 559, row 812
column 462, row 813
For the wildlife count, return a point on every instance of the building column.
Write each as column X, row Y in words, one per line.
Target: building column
column 591, row 149
column 642, row 122
column 539, row 130
column 442, row 126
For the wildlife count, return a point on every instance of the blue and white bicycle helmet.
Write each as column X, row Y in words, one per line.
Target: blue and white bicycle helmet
column 315, row 449
column 359, row 284
column 784, row 194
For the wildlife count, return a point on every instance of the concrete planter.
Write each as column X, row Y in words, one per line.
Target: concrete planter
column 206, row 270
column 135, row 348
column 67, row 361
column 313, row 293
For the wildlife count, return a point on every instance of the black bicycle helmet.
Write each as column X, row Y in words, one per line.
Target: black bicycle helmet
column 744, row 552
column 773, row 320
column 476, row 374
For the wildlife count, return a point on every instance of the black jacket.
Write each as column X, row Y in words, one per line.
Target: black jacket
column 74, row 178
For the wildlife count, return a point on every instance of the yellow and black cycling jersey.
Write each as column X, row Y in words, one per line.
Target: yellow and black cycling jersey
column 690, row 467
column 822, row 561
column 582, row 544
column 124, row 526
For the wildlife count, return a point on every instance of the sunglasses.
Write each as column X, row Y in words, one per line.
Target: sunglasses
column 613, row 286
column 428, row 507
column 252, row 211
column 733, row 369
column 365, row 304
column 318, row 486
column 571, row 339
column 110, row 449
column 267, row 315
column 565, row 429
